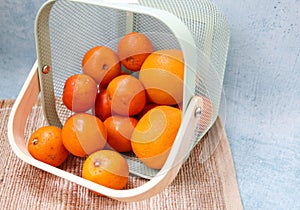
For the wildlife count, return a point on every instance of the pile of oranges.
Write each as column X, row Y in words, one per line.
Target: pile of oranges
column 127, row 100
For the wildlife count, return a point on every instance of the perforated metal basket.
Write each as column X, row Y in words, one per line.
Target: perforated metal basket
column 65, row 30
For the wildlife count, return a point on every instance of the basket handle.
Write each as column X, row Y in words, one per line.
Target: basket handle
column 20, row 111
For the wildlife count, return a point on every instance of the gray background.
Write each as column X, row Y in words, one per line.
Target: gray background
column 262, row 88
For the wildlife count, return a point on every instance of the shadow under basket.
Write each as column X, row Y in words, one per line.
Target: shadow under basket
column 65, row 30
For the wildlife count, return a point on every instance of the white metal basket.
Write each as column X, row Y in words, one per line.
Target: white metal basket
column 65, row 29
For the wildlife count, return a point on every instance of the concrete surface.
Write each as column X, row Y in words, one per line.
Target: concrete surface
column 262, row 88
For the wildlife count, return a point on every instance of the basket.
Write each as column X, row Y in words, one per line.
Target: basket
column 66, row 29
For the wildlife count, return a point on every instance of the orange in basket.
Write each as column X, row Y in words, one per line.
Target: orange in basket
column 102, row 105
column 119, row 130
column 80, row 92
column 101, row 63
column 162, row 75
column 154, row 135
column 127, row 95
column 83, row 134
column 133, row 49
column 107, row 168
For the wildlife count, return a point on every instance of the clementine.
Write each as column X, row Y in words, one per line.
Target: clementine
column 146, row 109
column 83, row 134
column 162, row 75
column 102, row 105
column 154, row 135
column 133, row 49
column 45, row 144
column 127, row 95
column 119, row 130
column 79, row 93
column 101, row 63
column 107, row 168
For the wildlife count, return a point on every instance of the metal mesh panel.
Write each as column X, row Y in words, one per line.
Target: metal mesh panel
column 74, row 29
column 211, row 33
column 65, row 30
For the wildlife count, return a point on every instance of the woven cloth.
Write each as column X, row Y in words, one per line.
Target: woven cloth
column 207, row 180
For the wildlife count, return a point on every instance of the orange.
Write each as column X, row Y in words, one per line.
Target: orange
column 146, row 109
column 154, row 135
column 119, row 130
column 83, row 134
column 133, row 49
column 127, row 95
column 45, row 144
column 162, row 75
column 101, row 63
column 102, row 105
column 79, row 93
column 107, row 168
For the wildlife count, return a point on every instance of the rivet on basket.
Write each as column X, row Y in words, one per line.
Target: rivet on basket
column 198, row 112
column 46, row 69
